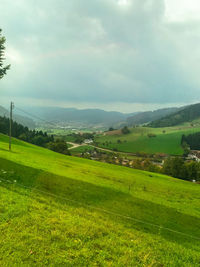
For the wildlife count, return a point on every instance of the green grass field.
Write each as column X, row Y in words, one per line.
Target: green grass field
column 81, row 149
column 57, row 210
column 138, row 140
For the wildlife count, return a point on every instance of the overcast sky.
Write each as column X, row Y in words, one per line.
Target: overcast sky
column 124, row 55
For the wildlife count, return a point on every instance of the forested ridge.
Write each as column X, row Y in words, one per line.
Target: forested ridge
column 186, row 114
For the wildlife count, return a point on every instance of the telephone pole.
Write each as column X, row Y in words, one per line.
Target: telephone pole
column 10, row 131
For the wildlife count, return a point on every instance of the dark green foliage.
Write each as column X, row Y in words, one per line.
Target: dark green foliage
column 176, row 167
column 186, row 114
column 185, row 146
column 38, row 138
column 193, row 140
column 18, row 118
column 146, row 165
column 3, row 69
column 80, row 137
column 125, row 130
column 111, row 129
column 59, row 146
column 19, row 131
column 147, row 116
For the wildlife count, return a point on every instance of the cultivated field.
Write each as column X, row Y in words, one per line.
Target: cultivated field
column 167, row 140
column 57, row 210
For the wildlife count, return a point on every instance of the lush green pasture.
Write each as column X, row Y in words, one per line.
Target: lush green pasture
column 81, row 149
column 75, row 212
column 167, row 140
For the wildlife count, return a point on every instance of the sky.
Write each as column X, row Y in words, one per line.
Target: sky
column 124, row 55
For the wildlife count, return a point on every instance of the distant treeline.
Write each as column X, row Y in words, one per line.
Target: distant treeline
column 186, row 114
column 38, row 138
column 193, row 141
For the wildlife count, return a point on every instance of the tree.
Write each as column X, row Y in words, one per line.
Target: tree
column 59, row 146
column 3, row 69
column 111, row 129
column 125, row 130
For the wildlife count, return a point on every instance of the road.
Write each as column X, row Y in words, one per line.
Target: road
column 74, row 145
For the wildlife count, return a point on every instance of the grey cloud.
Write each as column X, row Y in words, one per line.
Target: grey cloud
column 97, row 51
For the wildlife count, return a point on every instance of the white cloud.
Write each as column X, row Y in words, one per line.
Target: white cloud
column 182, row 10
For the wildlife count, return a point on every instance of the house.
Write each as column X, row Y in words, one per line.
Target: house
column 193, row 156
column 88, row 141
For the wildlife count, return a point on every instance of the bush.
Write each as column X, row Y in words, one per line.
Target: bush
column 111, row 129
column 150, row 135
column 59, row 146
column 125, row 130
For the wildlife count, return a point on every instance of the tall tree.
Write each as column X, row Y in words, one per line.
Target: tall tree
column 3, row 69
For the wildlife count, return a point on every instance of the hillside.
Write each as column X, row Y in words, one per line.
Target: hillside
column 28, row 122
column 187, row 114
column 148, row 116
column 61, row 210
column 167, row 140
column 87, row 116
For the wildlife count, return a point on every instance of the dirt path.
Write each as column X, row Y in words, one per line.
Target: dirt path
column 74, row 145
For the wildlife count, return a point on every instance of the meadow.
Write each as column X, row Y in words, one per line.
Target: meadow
column 59, row 210
column 81, row 149
column 167, row 140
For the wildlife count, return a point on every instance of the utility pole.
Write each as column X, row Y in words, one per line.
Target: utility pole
column 10, row 131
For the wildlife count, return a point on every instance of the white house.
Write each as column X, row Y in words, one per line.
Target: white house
column 88, row 141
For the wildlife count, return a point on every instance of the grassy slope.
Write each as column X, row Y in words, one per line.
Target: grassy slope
column 138, row 141
column 37, row 228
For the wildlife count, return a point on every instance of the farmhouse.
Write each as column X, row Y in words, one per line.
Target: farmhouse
column 88, row 141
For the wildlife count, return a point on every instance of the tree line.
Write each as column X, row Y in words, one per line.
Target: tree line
column 186, row 170
column 38, row 138
column 173, row 166
column 192, row 140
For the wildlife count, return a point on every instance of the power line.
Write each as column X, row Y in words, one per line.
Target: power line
column 104, row 210
column 35, row 116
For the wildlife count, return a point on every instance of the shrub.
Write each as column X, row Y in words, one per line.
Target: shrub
column 125, row 130
column 150, row 135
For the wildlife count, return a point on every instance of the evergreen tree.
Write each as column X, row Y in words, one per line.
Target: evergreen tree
column 3, row 69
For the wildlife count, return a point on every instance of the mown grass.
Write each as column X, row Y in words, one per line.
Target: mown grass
column 67, row 222
column 167, row 140
column 81, row 149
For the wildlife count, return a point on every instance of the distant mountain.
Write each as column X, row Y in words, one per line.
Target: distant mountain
column 148, row 116
column 18, row 118
column 84, row 116
column 185, row 114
